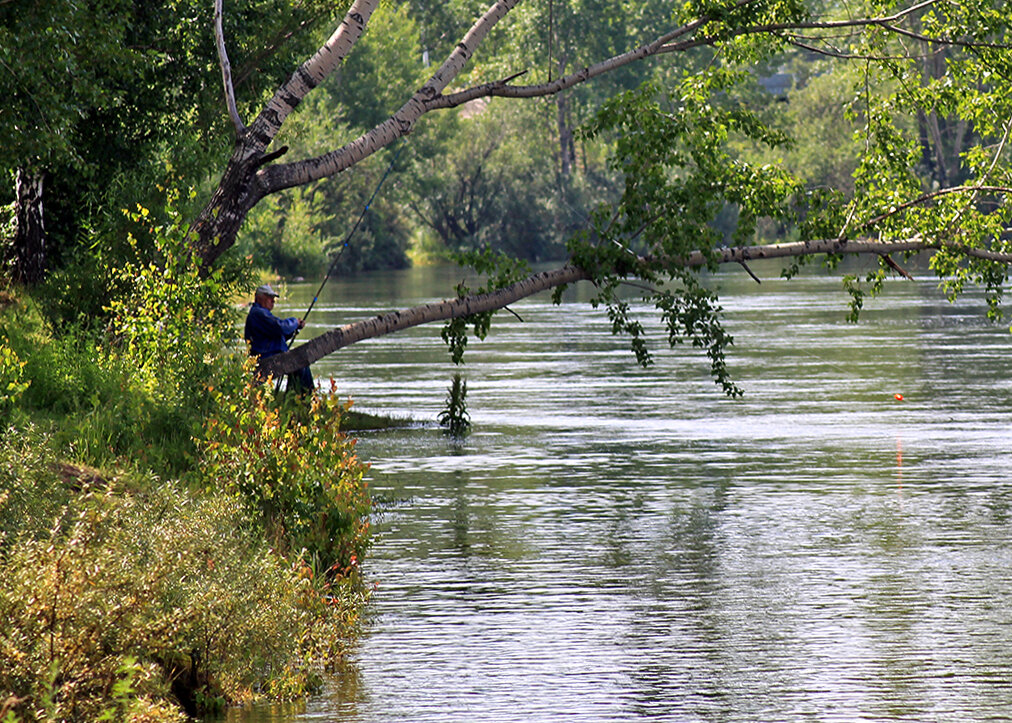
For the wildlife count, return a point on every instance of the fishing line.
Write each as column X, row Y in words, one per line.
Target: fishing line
column 344, row 245
column 347, row 240
column 898, row 397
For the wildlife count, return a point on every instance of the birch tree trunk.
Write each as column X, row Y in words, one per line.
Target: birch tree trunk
column 28, row 250
column 242, row 184
column 248, row 178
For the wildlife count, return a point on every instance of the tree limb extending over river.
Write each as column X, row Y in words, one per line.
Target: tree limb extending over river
column 340, row 337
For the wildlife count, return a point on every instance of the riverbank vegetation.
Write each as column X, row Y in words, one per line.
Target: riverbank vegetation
column 173, row 536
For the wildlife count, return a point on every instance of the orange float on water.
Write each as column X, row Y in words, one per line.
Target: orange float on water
column 898, row 397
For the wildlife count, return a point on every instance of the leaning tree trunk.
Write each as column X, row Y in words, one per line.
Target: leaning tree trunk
column 330, row 341
column 28, row 251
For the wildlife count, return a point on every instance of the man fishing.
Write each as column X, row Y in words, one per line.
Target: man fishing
column 267, row 334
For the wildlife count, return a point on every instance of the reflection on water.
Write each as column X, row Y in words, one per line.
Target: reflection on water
column 613, row 543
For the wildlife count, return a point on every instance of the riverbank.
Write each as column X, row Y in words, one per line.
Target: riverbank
column 173, row 539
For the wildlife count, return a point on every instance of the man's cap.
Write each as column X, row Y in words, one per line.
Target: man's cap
column 266, row 290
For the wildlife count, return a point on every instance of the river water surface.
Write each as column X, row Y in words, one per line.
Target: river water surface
column 613, row 543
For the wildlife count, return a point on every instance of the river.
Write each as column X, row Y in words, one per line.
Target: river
column 612, row 543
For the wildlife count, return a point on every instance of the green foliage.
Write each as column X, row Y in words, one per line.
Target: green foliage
column 109, row 99
column 454, row 417
column 30, row 496
column 285, row 234
column 128, row 385
column 122, row 593
column 484, row 178
column 500, row 270
column 169, row 309
column 12, row 377
column 679, row 179
column 293, row 471
column 51, row 75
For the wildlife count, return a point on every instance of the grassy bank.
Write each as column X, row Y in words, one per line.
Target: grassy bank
column 173, row 538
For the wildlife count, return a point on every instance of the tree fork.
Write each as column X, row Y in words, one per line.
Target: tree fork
column 238, row 191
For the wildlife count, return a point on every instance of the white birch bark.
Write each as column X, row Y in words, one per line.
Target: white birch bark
column 446, row 309
column 311, row 73
column 281, row 176
column 28, row 248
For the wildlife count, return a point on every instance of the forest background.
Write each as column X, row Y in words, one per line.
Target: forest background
column 517, row 177
column 173, row 537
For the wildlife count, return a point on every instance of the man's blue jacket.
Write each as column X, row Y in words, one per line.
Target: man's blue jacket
column 267, row 333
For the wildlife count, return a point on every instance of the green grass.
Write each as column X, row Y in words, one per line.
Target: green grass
column 355, row 421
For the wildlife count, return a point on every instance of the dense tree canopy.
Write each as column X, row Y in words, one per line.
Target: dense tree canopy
column 108, row 100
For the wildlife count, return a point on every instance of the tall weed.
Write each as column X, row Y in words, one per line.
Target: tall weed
column 122, row 593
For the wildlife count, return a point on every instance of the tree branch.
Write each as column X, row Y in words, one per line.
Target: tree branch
column 335, row 339
column 282, row 176
column 226, row 71
column 311, row 73
column 975, row 190
column 840, row 54
column 431, row 97
column 338, row 338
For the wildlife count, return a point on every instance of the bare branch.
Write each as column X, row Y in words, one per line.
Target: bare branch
column 226, row 71
column 896, row 267
column 842, row 55
column 975, row 190
column 943, row 41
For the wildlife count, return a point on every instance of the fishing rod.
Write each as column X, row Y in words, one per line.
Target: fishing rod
column 347, row 239
column 344, row 245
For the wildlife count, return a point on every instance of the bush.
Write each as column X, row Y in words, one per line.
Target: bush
column 288, row 462
column 12, row 378
column 104, row 410
column 124, row 596
column 128, row 387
